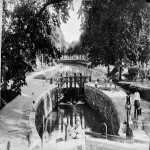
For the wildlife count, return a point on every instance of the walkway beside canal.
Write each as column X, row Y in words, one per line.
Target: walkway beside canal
column 14, row 117
column 118, row 98
column 14, row 124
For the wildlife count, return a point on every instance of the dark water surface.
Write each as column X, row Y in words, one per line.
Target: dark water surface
column 73, row 114
column 80, row 114
column 70, row 69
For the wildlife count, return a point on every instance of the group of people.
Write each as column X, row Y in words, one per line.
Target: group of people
column 128, row 103
column 107, row 81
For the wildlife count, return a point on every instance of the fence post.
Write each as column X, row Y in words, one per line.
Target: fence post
column 128, row 117
column 80, row 80
column 67, row 80
column 104, row 129
column 75, row 80
column 71, row 82
column 50, row 80
column 90, row 79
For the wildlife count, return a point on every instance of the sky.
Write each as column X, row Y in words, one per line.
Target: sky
column 71, row 28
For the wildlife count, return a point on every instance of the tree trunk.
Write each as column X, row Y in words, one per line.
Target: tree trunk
column 108, row 71
column 120, row 68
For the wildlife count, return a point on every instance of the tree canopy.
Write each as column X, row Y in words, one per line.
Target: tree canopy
column 29, row 28
column 115, row 31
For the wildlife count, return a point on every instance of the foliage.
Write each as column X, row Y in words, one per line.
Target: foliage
column 8, row 96
column 41, row 76
column 115, row 31
column 133, row 71
column 74, row 48
column 28, row 30
column 142, row 74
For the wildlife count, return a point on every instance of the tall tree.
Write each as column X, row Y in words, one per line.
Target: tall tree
column 115, row 31
column 29, row 29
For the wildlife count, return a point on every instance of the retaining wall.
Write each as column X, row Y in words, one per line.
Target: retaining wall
column 103, row 105
column 80, row 62
column 44, row 104
column 47, row 102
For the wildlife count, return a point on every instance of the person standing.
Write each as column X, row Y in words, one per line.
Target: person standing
column 128, row 104
column 136, row 102
column 96, row 83
column 105, row 82
column 110, row 83
column 33, row 106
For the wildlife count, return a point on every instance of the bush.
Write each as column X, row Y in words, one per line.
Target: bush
column 40, row 76
column 148, row 74
column 142, row 74
column 8, row 96
column 133, row 72
column 127, row 76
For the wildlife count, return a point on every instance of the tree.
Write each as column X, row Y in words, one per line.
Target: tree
column 113, row 32
column 27, row 30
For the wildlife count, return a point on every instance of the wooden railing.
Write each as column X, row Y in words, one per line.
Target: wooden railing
column 73, row 81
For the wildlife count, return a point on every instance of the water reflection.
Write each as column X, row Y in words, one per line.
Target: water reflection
column 71, row 69
column 54, row 127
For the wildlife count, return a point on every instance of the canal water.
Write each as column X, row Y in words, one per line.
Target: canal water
column 70, row 69
column 78, row 114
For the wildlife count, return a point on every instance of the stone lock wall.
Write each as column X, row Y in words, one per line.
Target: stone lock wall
column 103, row 105
column 46, row 103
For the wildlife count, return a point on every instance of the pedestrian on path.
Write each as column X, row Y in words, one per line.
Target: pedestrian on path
column 8, row 145
column 136, row 102
column 106, row 82
column 110, row 83
column 96, row 83
column 33, row 106
column 128, row 104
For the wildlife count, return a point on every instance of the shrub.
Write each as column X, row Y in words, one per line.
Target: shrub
column 148, row 74
column 127, row 76
column 133, row 72
column 142, row 74
column 40, row 76
column 8, row 96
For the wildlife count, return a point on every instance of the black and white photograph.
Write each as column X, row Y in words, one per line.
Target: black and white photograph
column 75, row 75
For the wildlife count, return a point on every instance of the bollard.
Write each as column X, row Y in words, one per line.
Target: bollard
column 50, row 80
column 104, row 129
column 8, row 145
column 129, row 133
column 65, row 132
column 65, row 123
column 90, row 79
column 143, row 125
column 128, row 117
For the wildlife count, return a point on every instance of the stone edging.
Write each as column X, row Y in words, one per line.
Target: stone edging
column 34, row 136
column 104, row 103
